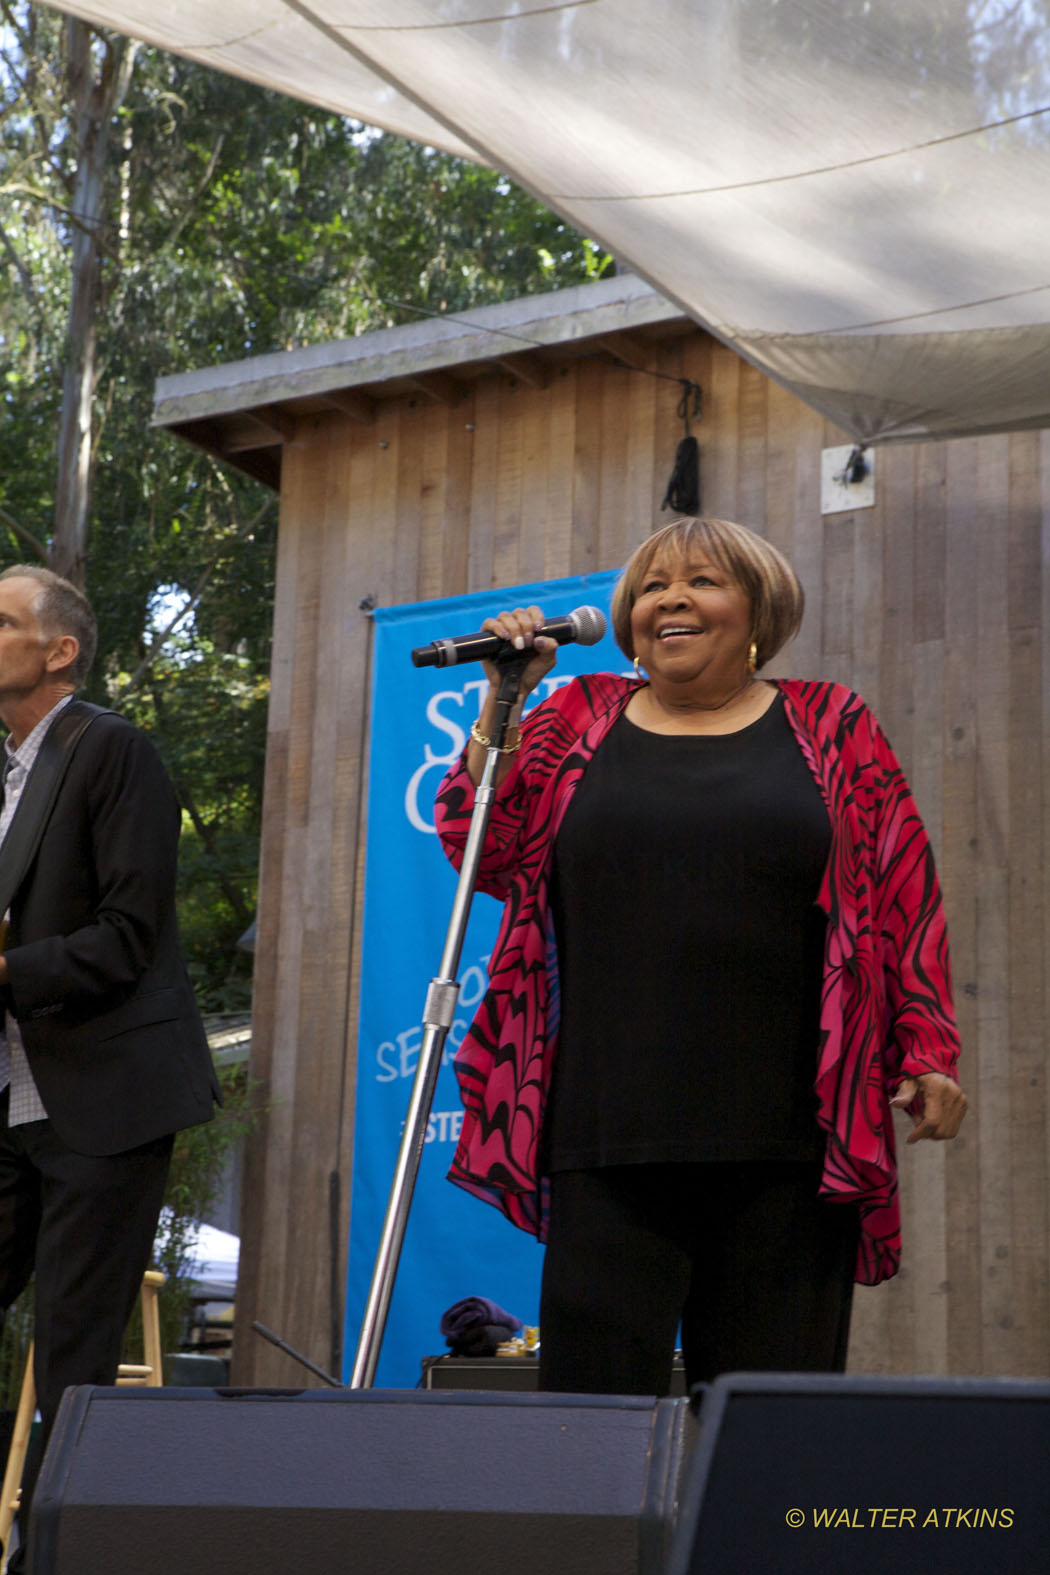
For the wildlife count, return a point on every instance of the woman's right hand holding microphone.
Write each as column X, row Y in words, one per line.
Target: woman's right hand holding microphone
column 519, row 625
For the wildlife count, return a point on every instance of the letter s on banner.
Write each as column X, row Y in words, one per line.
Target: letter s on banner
column 458, row 738
column 446, row 724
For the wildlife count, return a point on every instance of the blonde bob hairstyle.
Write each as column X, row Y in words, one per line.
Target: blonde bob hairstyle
column 762, row 573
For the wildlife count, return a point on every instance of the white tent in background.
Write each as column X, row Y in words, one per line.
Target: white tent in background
column 212, row 1262
column 852, row 194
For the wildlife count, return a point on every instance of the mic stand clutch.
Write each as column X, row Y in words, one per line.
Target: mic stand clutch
column 438, row 1013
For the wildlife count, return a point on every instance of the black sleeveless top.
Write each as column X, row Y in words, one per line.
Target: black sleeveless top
column 685, row 877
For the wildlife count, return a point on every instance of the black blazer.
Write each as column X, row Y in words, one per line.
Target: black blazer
column 95, row 976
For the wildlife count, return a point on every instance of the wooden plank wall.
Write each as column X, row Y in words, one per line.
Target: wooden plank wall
column 933, row 604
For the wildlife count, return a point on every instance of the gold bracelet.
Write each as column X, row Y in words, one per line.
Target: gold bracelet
column 486, row 743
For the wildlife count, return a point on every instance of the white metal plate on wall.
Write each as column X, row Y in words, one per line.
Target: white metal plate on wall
column 836, row 493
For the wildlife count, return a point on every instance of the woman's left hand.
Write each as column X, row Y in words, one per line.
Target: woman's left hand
column 943, row 1105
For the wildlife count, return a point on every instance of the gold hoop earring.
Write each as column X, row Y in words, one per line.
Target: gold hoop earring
column 752, row 657
column 638, row 666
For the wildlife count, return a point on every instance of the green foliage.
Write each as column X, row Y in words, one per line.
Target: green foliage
column 205, row 709
column 15, row 1340
column 197, row 1165
column 237, row 222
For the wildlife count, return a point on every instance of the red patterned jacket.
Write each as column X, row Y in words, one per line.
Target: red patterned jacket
column 886, row 1007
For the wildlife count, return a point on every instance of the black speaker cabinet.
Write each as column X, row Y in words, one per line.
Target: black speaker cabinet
column 386, row 1482
column 800, row 1474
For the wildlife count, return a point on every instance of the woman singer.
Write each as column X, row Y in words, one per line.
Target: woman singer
column 722, row 959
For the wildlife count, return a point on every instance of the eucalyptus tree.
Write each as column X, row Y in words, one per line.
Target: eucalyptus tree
column 155, row 217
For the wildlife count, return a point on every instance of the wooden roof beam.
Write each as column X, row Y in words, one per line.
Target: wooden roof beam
column 438, row 387
column 357, row 406
column 262, row 462
column 208, row 435
column 632, row 352
column 526, row 368
column 279, row 424
column 245, row 440
column 259, row 428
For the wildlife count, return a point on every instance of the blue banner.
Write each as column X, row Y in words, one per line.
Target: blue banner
column 455, row 1246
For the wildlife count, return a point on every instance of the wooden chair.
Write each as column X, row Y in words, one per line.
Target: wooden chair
column 149, row 1374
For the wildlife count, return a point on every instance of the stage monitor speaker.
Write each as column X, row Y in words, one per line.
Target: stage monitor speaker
column 796, row 1474
column 385, row 1482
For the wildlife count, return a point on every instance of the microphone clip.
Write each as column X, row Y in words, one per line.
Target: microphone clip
column 511, row 664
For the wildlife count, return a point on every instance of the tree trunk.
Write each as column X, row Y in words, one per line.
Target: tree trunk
column 95, row 96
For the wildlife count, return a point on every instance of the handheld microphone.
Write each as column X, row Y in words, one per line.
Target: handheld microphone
column 585, row 626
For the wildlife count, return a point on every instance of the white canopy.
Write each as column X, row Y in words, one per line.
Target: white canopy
column 853, row 193
column 212, row 1260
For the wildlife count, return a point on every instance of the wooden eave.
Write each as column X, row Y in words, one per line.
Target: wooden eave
column 244, row 412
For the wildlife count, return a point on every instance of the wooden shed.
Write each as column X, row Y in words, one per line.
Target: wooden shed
column 533, row 440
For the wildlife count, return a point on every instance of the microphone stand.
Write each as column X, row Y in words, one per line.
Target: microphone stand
column 438, row 1013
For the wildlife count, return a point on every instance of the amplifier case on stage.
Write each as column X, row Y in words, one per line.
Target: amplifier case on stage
column 388, row 1482
column 517, row 1374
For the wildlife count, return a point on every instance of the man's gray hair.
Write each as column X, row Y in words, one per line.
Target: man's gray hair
column 61, row 609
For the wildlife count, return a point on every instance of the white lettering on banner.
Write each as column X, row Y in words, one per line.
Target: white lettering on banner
column 415, row 819
column 457, row 736
column 448, row 724
column 474, row 983
column 397, row 1057
column 444, row 1126
column 456, row 729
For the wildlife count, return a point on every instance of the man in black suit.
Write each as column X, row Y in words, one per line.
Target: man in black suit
column 105, row 1055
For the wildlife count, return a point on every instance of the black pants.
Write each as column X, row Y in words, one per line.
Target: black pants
column 756, row 1268
column 85, row 1225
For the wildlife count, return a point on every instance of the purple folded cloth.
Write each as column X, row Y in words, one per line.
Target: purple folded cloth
column 484, row 1340
column 474, row 1313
